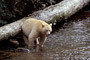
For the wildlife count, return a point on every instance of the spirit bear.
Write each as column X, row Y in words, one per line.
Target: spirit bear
column 35, row 31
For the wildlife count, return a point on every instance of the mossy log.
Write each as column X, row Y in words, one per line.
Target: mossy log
column 51, row 14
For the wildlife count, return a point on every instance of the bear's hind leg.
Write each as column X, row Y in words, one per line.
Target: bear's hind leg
column 26, row 41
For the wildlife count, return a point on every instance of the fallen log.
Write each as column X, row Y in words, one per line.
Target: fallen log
column 51, row 14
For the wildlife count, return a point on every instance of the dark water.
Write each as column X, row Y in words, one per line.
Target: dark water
column 71, row 41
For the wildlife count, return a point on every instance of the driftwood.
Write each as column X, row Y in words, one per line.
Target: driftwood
column 51, row 14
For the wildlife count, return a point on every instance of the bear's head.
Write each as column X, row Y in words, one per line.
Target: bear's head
column 46, row 29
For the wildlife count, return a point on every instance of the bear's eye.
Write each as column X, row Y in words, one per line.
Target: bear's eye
column 47, row 30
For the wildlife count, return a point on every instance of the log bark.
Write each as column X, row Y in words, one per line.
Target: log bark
column 51, row 14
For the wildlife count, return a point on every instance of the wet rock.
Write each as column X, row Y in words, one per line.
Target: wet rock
column 23, row 50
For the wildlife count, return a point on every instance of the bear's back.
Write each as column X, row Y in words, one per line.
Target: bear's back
column 32, row 24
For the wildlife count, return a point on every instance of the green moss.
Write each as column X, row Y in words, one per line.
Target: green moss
column 58, row 18
column 51, row 21
column 26, row 18
column 55, row 19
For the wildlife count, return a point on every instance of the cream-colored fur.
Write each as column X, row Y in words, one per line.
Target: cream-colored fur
column 35, row 30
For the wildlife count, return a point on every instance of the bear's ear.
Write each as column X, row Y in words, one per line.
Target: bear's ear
column 43, row 25
column 50, row 24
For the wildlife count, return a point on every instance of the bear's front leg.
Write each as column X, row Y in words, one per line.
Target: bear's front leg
column 42, row 40
column 32, row 36
column 30, row 43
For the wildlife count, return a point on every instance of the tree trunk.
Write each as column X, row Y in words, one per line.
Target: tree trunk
column 51, row 14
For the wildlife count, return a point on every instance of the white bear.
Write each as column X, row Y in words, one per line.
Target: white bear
column 35, row 31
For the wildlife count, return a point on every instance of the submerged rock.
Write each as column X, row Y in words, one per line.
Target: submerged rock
column 23, row 50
